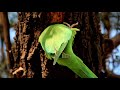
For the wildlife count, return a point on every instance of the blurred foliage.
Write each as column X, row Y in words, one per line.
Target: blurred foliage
column 110, row 19
column 111, row 22
column 13, row 18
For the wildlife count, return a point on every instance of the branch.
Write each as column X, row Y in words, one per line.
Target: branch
column 116, row 40
column 110, row 44
column 110, row 74
column 2, row 48
column 5, row 23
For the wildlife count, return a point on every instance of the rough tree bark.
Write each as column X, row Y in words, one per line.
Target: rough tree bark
column 29, row 58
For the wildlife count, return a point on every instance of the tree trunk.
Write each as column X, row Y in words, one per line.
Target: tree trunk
column 29, row 58
column 4, row 22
